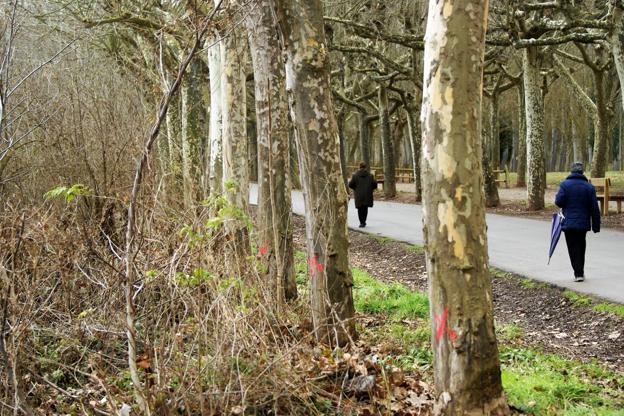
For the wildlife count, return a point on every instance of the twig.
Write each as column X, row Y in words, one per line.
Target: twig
column 130, row 231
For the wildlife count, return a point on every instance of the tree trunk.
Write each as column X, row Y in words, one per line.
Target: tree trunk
column 413, row 130
column 340, row 120
column 308, row 84
column 191, row 135
column 495, row 132
column 616, row 40
column 215, row 168
column 389, row 163
column 522, row 138
column 621, row 135
column 364, row 138
column 466, row 366
column 534, row 102
column 492, row 199
column 272, row 127
column 234, row 130
column 601, row 134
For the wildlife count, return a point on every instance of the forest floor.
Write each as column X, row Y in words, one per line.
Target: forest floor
column 513, row 203
column 531, row 318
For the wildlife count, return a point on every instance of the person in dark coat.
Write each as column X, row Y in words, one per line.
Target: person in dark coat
column 577, row 198
column 363, row 185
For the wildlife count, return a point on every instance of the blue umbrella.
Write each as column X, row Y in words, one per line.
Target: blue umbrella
column 555, row 232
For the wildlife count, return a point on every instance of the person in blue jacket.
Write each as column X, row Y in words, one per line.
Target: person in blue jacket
column 577, row 198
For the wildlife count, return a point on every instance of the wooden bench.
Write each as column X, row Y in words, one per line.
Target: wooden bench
column 605, row 195
column 379, row 178
column 498, row 172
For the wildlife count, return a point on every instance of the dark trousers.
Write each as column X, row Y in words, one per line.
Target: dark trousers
column 362, row 214
column 575, row 239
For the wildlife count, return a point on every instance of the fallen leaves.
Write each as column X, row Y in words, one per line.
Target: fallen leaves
column 364, row 383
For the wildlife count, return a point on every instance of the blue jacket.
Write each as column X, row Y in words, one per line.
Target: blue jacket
column 578, row 199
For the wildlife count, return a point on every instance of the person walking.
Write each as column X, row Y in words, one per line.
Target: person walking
column 577, row 198
column 363, row 185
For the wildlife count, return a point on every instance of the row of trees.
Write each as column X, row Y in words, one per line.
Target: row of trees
column 365, row 58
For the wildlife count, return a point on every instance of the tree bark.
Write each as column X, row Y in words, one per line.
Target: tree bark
column 234, row 130
column 215, row 164
column 495, row 132
column 389, row 163
column 272, row 127
column 490, row 187
column 364, row 137
column 601, row 134
column 616, row 40
column 522, row 138
column 534, row 103
column 466, row 366
column 308, row 85
column 340, row 120
column 413, row 130
column 191, row 135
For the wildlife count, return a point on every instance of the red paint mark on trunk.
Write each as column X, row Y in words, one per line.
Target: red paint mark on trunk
column 316, row 266
column 442, row 326
column 263, row 249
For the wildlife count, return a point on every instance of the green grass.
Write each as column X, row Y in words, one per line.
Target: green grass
column 577, row 298
column 393, row 300
column 510, row 332
column 553, row 178
column 534, row 382
column 497, row 273
column 547, row 384
column 532, row 284
column 610, row 308
column 414, row 248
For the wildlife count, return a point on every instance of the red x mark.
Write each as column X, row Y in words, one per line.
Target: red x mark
column 316, row 266
column 442, row 326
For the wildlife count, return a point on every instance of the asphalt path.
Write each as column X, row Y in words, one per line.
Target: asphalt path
column 517, row 245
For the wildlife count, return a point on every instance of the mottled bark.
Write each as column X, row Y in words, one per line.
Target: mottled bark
column 340, row 120
column 616, row 40
column 215, row 164
column 413, row 130
column 522, row 139
column 308, row 85
column 272, row 127
column 534, row 104
column 466, row 366
column 192, row 107
column 234, row 130
column 389, row 164
column 601, row 129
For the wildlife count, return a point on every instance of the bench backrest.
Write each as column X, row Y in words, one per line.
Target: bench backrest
column 601, row 184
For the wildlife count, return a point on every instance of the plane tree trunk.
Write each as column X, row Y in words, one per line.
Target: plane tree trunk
column 272, row 126
column 316, row 133
column 466, row 365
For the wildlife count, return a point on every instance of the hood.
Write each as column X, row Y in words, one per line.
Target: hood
column 362, row 173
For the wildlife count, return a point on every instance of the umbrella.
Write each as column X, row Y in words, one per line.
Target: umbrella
column 555, row 232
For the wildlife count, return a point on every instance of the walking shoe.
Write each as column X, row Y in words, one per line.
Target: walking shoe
column 362, row 225
column 579, row 278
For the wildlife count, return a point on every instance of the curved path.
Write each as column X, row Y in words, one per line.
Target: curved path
column 516, row 245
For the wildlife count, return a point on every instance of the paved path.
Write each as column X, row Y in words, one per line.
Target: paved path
column 516, row 245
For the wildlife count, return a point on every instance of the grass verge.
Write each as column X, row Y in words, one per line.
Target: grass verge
column 535, row 382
